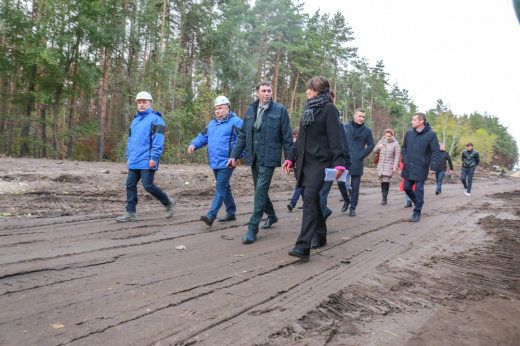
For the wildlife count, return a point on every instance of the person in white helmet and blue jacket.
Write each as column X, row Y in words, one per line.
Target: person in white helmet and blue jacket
column 143, row 152
column 220, row 136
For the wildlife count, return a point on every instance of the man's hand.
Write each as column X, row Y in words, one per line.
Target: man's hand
column 451, row 171
column 339, row 172
column 287, row 167
column 394, row 169
column 381, row 146
column 432, row 172
column 152, row 164
column 232, row 163
column 190, row 149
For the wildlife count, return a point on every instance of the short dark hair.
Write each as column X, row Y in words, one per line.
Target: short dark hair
column 421, row 116
column 469, row 144
column 359, row 110
column 296, row 130
column 264, row 82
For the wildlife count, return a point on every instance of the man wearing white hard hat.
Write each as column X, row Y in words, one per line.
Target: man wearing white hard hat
column 220, row 136
column 144, row 149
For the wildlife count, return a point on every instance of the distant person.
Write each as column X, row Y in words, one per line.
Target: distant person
column 144, row 149
column 439, row 175
column 420, row 151
column 318, row 147
column 298, row 190
column 220, row 136
column 266, row 130
column 470, row 161
column 361, row 143
column 389, row 157
column 503, row 173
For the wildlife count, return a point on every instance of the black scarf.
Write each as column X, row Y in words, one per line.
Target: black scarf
column 311, row 105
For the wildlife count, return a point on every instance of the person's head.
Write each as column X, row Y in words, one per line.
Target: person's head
column 264, row 92
column 144, row 101
column 418, row 120
column 221, row 106
column 443, row 147
column 296, row 131
column 389, row 134
column 469, row 146
column 319, row 85
column 359, row 116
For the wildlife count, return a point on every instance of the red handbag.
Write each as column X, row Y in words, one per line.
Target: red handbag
column 376, row 160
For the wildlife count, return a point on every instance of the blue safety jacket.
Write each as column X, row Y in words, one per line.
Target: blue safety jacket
column 145, row 140
column 220, row 137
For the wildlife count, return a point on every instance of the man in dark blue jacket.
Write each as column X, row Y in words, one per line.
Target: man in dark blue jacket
column 358, row 136
column 419, row 151
column 220, row 137
column 266, row 130
column 144, row 149
column 470, row 161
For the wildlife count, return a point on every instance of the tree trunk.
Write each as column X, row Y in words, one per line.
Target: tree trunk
column 275, row 77
column 103, row 94
column 72, row 109
column 26, row 128
column 55, row 142
column 294, row 93
column 43, row 118
column 265, row 55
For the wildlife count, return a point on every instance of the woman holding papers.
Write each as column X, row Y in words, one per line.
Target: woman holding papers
column 318, row 147
column 389, row 154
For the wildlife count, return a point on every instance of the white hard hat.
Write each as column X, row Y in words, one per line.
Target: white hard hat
column 221, row 100
column 143, row 95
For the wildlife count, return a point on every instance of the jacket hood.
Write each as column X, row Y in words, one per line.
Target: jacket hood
column 425, row 129
column 383, row 139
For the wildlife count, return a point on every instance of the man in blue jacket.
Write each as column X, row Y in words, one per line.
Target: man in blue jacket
column 419, row 151
column 358, row 136
column 220, row 136
column 265, row 132
column 144, row 149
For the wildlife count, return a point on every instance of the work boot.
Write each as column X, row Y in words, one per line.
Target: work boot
column 408, row 204
column 207, row 220
column 415, row 218
column 352, row 212
column 384, row 188
column 290, row 206
column 249, row 238
column 127, row 217
column 170, row 208
column 227, row 218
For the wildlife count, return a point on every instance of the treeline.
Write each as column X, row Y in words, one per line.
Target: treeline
column 70, row 69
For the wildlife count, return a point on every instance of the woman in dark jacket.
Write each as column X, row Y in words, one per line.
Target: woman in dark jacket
column 318, row 146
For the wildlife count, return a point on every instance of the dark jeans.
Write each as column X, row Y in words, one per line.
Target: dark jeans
column 223, row 193
column 146, row 175
column 439, row 176
column 343, row 188
column 313, row 224
column 416, row 196
column 467, row 173
column 355, row 181
column 324, row 195
column 297, row 192
column 262, row 180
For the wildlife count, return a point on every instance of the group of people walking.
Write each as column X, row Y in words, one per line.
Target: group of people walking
column 320, row 142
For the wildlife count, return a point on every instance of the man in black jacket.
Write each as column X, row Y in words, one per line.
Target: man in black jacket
column 439, row 175
column 265, row 131
column 470, row 160
column 420, row 149
column 358, row 135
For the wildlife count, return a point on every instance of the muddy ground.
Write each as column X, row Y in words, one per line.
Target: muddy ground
column 69, row 274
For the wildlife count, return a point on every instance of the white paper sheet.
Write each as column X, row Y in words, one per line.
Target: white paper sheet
column 330, row 175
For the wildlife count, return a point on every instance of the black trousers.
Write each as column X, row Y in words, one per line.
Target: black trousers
column 313, row 224
column 355, row 180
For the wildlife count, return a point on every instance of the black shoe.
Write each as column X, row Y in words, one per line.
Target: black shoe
column 300, row 254
column 269, row 222
column 227, row 218
column 341, row 199
column 301, row 207
column 327, row 213
column 345, row 206
column 437, row 192
column 415, row 218
column 383, row 202
column 317, row 245
column 408, row 204
column 290, row 206
column 207, row 220
column 352, row 212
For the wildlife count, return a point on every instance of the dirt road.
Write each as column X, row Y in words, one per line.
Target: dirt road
column 75, row 276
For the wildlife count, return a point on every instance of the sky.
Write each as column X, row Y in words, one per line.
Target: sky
column 465, row 52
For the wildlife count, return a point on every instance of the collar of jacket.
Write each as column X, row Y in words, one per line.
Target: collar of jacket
column 257, row 103
column 426, row 128
column 385, row 141
column 353, row 123
column 145, row 113
column 226, row 118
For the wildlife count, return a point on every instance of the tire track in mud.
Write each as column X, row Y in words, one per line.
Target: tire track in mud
column 267, row 268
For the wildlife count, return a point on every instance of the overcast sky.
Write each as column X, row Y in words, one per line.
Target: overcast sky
column 465, row 52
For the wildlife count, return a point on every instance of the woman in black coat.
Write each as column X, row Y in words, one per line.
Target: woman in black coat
column 318, row 146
